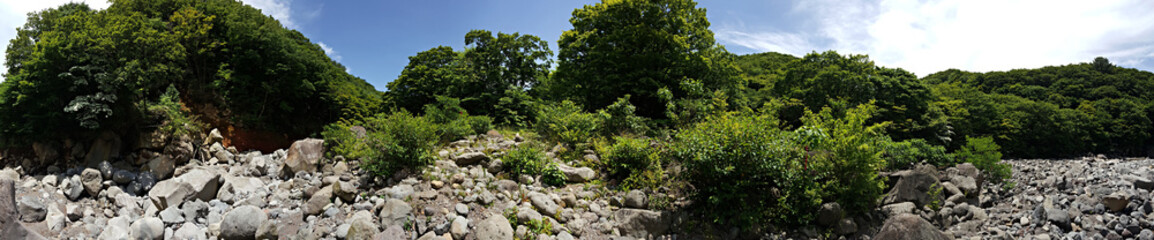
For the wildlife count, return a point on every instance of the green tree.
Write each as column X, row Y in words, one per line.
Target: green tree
column 636, row 47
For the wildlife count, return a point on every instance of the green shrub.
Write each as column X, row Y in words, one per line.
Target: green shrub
column 633, row 160
column 904, row 154
column 846, row 157
column 454, row 122
column 566, row 123
column 391, row 142
column 445, row 110
column 175, row 120
column 480, row 124
column 531, row 160
column 746, row 170
column 983, row 153
column 620, row 118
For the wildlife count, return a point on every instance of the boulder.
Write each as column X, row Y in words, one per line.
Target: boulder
column 635, row 199
column 495, row 227
column 147, row 228
column 103, row 148
column 637, row 223
column 394, row 212
column 10, row 228
column 316, row 204
column 909, row 227
column 914, row 187
column 459, row 227
column 92, row 181
column 242, row 223
column 189, row 231
column 1116, row 202
column 303, row 156
column 162, row 166
column 72, row 187
column 31, row 209
column 123, row 176
column 577, row 175
column 237, row 188
column 214, row 136
column 470, row 158
column 204, row 181
column 1140, row 182
column 361, row 226
column 898, row 209
column 345, row 190
column 544, row 204
column 170, row 193
column 829, row 214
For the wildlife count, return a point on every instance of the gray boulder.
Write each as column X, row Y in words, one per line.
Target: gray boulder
column 242, row 223
column 147, row 228
column 470, row 158
column 10, row 228
column 170, row 193
column 394, row 212
column 914, row 186
column 72, row 187
column 495, row 227
column 31, row 209
column 237, row 188
column 635, row 199
column 189, row 231
column 92, row 181
column 639, row 223
column 345, row 190
column 544, row 204
column 909, row 227
column 205, row 182
column 829, row 214
column 577, row 174
column 303, row 156
column 459, row 227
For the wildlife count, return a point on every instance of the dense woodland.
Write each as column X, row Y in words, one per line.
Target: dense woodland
column 641, row 82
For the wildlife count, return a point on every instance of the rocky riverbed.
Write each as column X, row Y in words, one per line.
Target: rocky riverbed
column 297, row 193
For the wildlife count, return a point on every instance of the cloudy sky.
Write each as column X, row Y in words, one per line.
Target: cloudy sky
column 374, row 38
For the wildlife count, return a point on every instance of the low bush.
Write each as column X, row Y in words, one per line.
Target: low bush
column 454, row 122
column 983, row 153
column 529, row 159
column 904, row 154
column 566, row 123
column 621, row 118
column 633, row 160
column 175, row 120
column 846, row 156
column 389, row 142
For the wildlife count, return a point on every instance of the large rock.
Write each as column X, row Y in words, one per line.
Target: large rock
column 105, row 147
column 316, row 204
column 470, row 158
column 204, row 181
column 189, row 231
column 459, row 227
column 361, row 226
column 635, row 199
column 31, row 209
column 242, row 223
column 10, row 227
column 72, row 187
column 577, row 175
column 639, row 223
column 147, row 228
column 303, row 156
column 544, row 203
column 495, row 227
column 162, row 166
column 92, row 181
column 914, row 187
column 345, row 190
column 394, row 212
column 909, row 227
column 897, row 209
column 1116, row 202
column 170, row 193
column 829, row 214
column 238, row 188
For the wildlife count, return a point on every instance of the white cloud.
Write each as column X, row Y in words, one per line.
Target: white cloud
column 329, row 51
column 14, row 13
column 279, row 9
column 975, row 35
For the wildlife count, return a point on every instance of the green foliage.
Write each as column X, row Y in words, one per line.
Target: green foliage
column 479, row 124
column 389, row 142
column 846, row 155
column 565, row 122
column 530, row 160
column 175, row 120
column 635, row 47
column 73, row 71
column 491, row 76
column 635, row 161
column 620, row 119
column 983, row 153
column 904, row 154
column 453, row 121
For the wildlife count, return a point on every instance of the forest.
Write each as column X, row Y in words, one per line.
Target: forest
column 643, row 83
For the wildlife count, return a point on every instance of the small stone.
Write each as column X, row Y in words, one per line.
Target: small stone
column 459, row 228
column 242, row 223
column 462, row 209
column 147, row 228
column 495, row 227
column 635, row 199
column 92, row 181
column 437, row 184
column 829, row 214
column 172, row 216
column 123, row 176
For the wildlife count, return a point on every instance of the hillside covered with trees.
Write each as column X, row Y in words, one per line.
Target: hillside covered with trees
column 642, row 84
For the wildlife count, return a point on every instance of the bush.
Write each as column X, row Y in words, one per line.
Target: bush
column 176, row 121
column 479, row 124
column 389, row 143
column 566, row 123
column 746, row 170
column 634, row 160
column 620, row 118
column 749, row 172
column 904, row 154
column 454, row 122
column 983, row 153
column 531, row 160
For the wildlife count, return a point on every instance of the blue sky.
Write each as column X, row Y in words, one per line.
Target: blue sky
column 375, row 38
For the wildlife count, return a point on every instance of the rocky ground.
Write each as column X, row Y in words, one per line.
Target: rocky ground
column 295, row 193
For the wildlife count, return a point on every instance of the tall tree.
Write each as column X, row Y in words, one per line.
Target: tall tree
column 636, row 47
